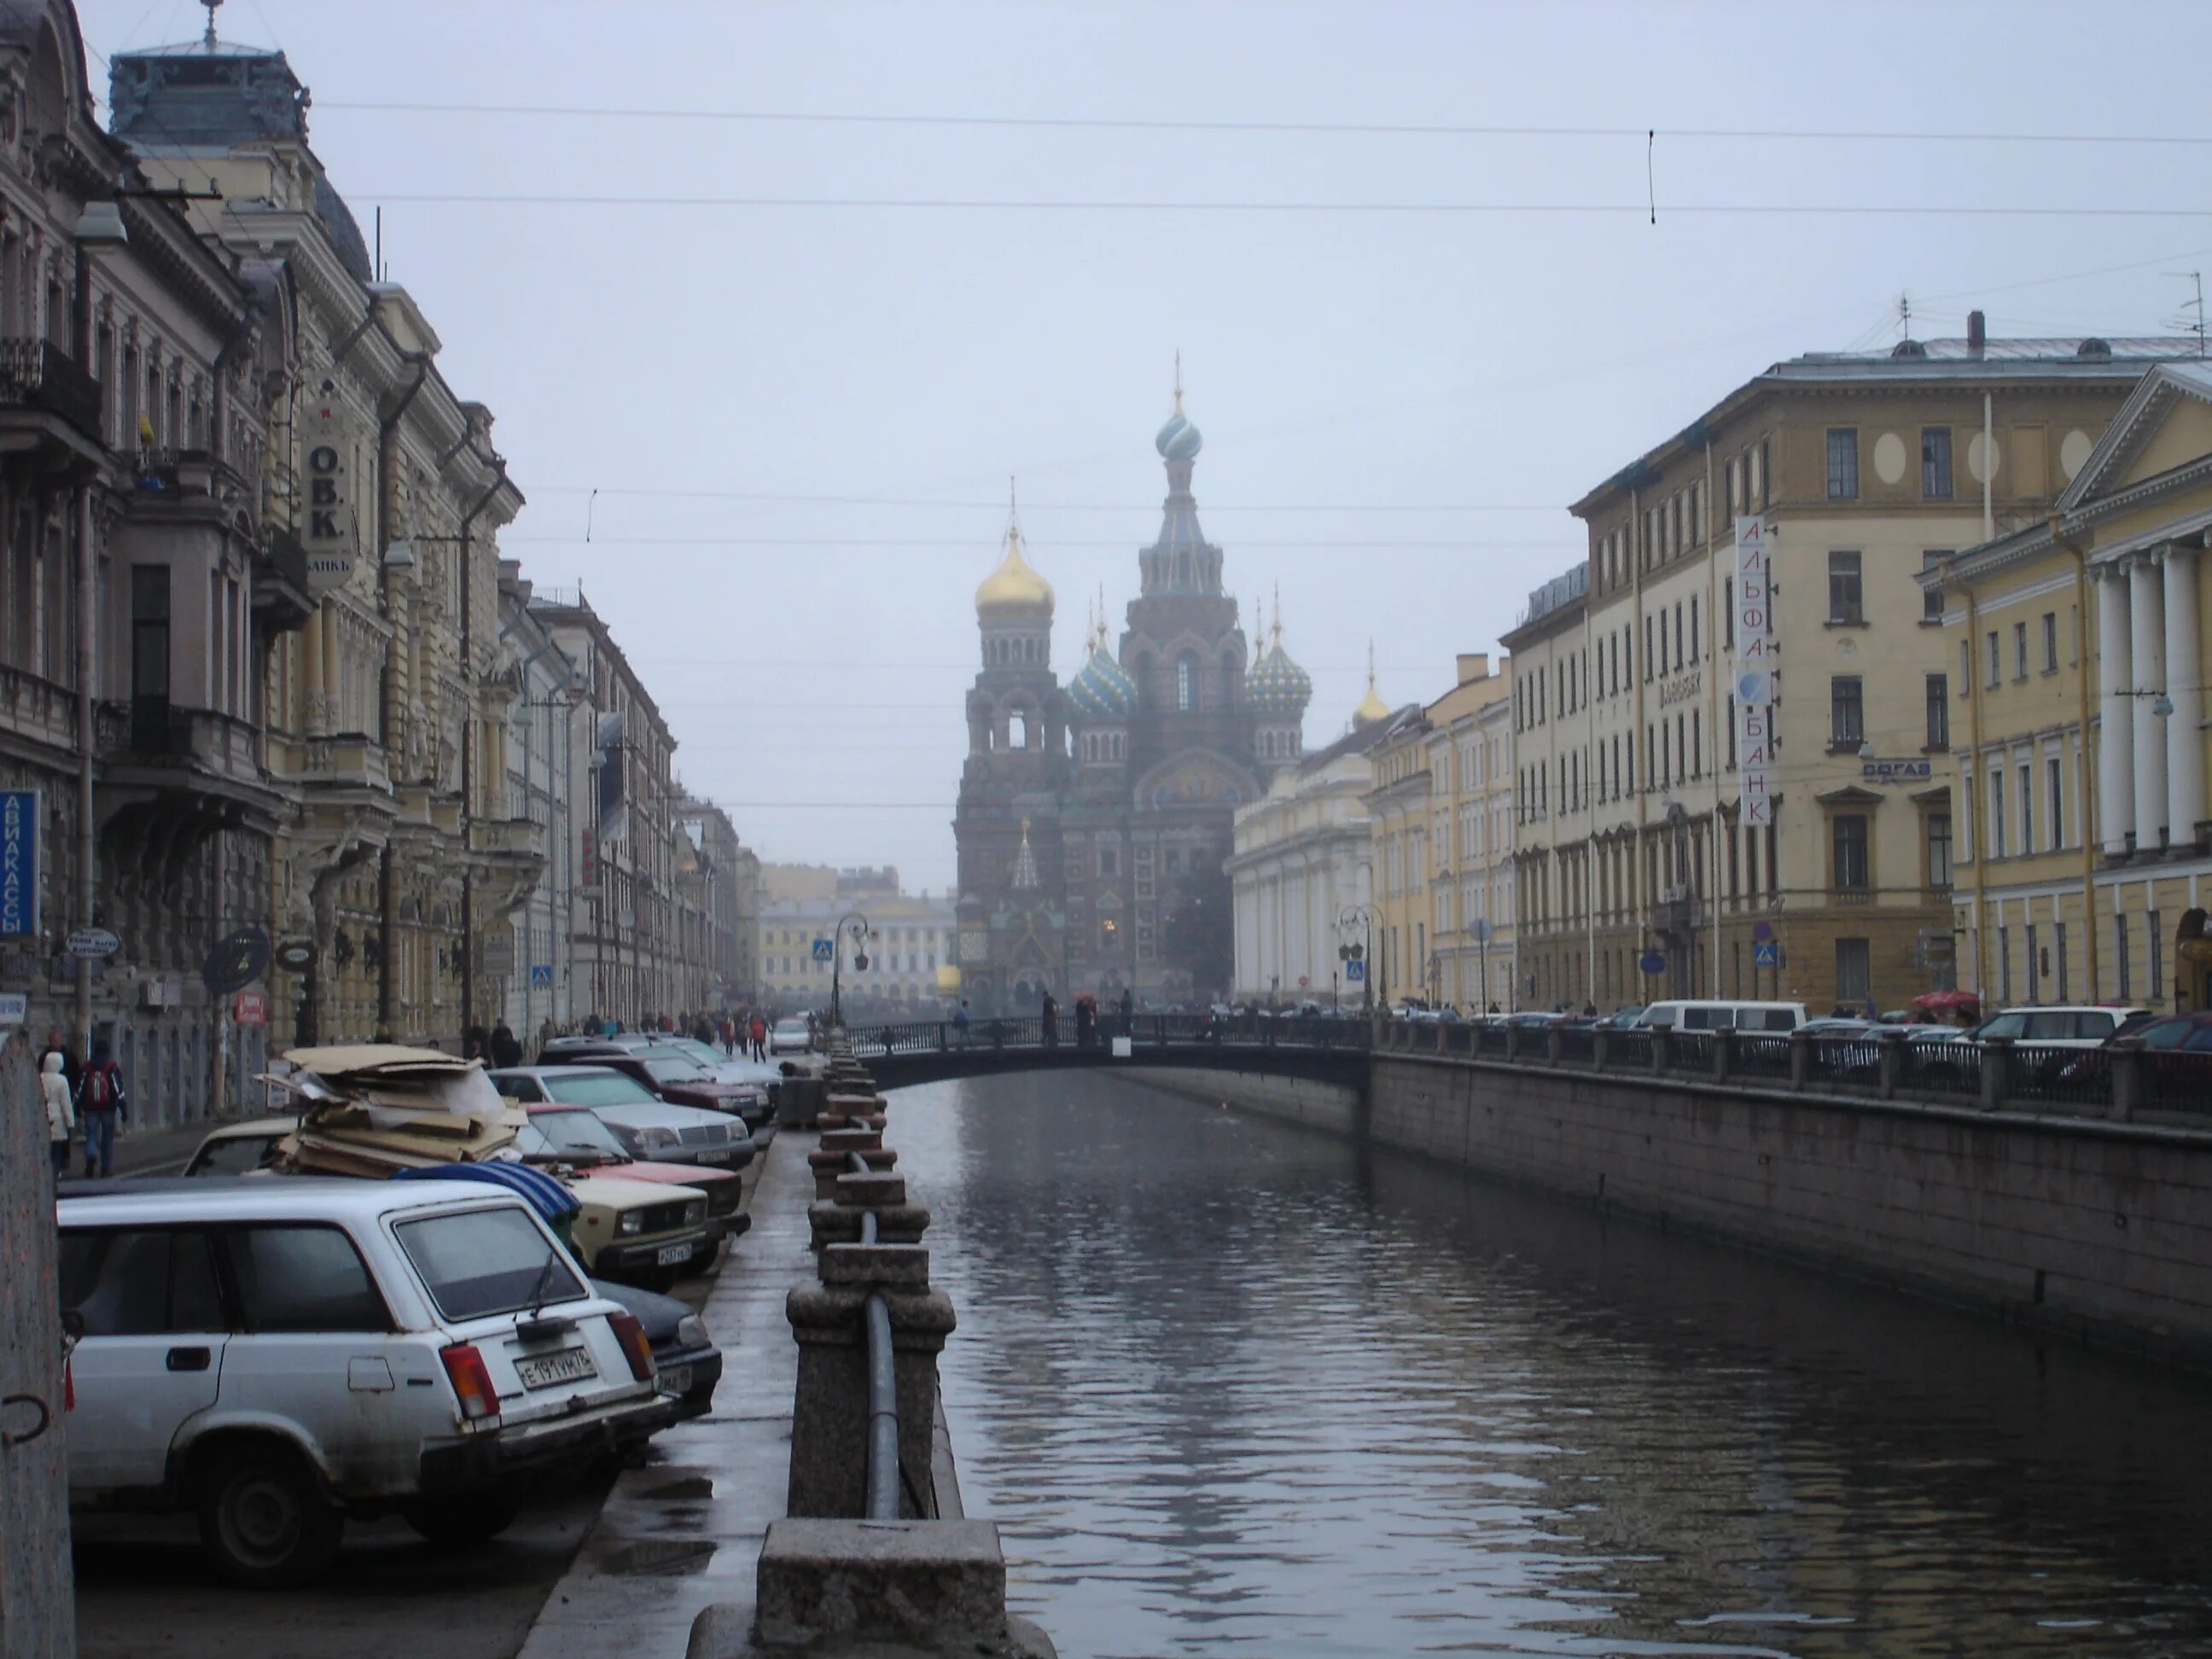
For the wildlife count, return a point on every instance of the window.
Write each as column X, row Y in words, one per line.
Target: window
column 1939, row 849
column 1727, row 613
column 1854, row 971
column 2026, row 809
column 1843, row 462
column 1762, row 474
column 1931, row 599
column 484, row 1262
column 2050, row 641
column 1847, row 593
column 1696, row 654
column 140, row 1283
column 1851, row 845
column 149, row 656
column 2054, row 769
column 1846, row 711
column 2156, row 935
column 1184, row 691
column 2004, row 978
column 2120, row 956
column 2058, row 952
column 1936, row 462
column 1109, row 861
column 303, row 1278
column 1996, row 812
column 2020, row 651
column 1939, row 711
column 1678, row 658
column 1990, row 643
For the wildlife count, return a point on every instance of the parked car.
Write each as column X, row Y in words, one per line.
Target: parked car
column 687, row 1365
column 2061, row 1025
column 576, row 1137
column 1701, row 1015
column 790, row 1036
column 236, row 1149
column 276, row 1355
column 671, row 1076
column 679, row 1134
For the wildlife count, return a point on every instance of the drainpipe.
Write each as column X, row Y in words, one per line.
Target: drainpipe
column 469, row 743
column 2087, row 815
column 1973, row 793
column 88, row 649
column 387, row 896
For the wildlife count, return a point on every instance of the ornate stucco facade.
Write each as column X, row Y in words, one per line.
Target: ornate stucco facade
column 1095, row 818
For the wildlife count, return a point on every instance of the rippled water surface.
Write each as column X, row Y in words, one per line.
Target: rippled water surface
column 1231, row 1386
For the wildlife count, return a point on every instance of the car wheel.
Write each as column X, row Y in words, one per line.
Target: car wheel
column 263, row 1521
column 477, row 1518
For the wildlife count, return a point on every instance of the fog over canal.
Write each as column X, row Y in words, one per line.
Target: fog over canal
column 1228, row 1386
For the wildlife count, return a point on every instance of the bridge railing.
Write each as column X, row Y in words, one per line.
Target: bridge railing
column 2120, row 1080
column 1148, row 1030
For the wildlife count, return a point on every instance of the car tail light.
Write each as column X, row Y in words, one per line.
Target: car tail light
column 471, row 1380
column 634, row 1347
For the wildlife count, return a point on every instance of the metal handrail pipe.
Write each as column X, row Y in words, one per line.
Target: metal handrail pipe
column 882, row 1413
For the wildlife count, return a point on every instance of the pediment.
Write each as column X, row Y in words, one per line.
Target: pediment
column 2166, row 423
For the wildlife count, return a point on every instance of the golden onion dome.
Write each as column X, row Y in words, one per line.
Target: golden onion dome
column 1371, row 707
column 1013, row 587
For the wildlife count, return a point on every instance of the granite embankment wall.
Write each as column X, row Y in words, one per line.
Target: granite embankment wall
column 2093, row 1228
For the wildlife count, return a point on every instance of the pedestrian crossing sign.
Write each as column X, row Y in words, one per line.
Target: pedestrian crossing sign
column 1765, row 953
column 824, row 949
column 1354, row 971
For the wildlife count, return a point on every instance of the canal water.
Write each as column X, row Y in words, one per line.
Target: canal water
column 1229, row 1387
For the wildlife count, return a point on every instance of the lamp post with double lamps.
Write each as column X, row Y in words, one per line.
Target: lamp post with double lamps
column 855, row 925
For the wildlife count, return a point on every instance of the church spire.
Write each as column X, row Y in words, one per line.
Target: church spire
column 1371, row 707
column 1025, row 869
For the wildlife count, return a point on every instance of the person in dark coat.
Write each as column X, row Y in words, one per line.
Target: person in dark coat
column 1049, row 1012
column 505, row 1050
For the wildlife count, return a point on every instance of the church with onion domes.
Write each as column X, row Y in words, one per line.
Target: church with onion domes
column 1094, row 816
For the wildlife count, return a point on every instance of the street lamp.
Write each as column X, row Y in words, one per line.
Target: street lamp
column 855, row 925
column 1363, row 917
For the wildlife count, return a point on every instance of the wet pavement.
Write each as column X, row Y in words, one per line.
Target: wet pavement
column 1231, row 1386
column 685, row 1531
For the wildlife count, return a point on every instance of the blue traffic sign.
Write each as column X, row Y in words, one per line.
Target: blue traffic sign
column 824, row 949
column 541, row 972
column 1765, row 953
column 1652, row 962
column 1354, row 971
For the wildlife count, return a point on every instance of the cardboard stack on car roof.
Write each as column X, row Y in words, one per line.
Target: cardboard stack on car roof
column 369, row 1109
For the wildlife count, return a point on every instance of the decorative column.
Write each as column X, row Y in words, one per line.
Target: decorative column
column 2116, row 747
column 2147, row 642
column 2185, row 743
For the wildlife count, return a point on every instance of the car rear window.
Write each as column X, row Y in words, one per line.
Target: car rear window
column 234, row 1155
column 480, row 1262
column 601, row 1088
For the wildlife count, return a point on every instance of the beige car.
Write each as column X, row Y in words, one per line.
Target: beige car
column 640, row 1232
column 243, row 1148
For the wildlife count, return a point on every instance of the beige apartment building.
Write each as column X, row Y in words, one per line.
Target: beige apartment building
column 2078, row 713
column 1436, row 855
column 1640, row 873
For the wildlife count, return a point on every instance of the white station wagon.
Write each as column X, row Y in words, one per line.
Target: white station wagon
column 275, row 1355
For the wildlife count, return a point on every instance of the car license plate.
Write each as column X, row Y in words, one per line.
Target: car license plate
column 715, row 1155
column 671, row 1253
column 545, row 1370
column 676, row 1382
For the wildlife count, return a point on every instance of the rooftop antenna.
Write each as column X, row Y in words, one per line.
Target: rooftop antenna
column 2192, row 325
column 208, row 39
column 1904, row 316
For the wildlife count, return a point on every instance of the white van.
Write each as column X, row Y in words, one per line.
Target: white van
column 1689, row 1015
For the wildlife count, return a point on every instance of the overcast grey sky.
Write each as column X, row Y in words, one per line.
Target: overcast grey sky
column 1397, row 406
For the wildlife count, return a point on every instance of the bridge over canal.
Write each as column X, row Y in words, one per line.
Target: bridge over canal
column 1319, row 1050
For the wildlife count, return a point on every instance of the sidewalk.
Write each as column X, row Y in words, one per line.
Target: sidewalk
column 162, row 1151
column 685, row 1532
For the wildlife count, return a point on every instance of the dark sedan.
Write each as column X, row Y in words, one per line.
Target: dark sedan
column 688, row 1364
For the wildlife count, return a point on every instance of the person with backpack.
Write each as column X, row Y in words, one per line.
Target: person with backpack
column 760, row 1038
column 99, row 1102
column 61, row 1115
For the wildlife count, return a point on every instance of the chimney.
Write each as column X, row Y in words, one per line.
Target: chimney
column 1473, row 666
column 1978, row 334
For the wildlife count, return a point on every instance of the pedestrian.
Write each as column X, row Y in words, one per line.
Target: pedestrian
column 1128, row 1013
column 99, row 1102
column 760, row 1038
column 505, row 1050
column 61, row 1115
column 1049, row 1017
column 960, row 1023
column 1086, row 1017
column 72, row 1070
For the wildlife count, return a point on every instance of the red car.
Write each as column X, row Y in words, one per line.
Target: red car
column 574, row 1135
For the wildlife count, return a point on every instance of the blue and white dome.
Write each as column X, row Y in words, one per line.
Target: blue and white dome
column 1179, row 439
column 1276, row 685
column 1102, row 688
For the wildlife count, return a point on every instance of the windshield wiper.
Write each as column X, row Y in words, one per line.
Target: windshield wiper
column 544, row 1276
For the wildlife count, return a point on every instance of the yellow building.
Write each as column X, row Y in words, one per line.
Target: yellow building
column 1640, row 876
column 2082, row 864
column 1435, row 855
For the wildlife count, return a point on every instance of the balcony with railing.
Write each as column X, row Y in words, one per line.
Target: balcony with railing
column 47, row 391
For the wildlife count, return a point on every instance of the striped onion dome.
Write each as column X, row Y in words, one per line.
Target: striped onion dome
column 1102, row 688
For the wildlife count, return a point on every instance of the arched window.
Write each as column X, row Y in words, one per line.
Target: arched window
column 1186, row 685
column 1018, row 729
